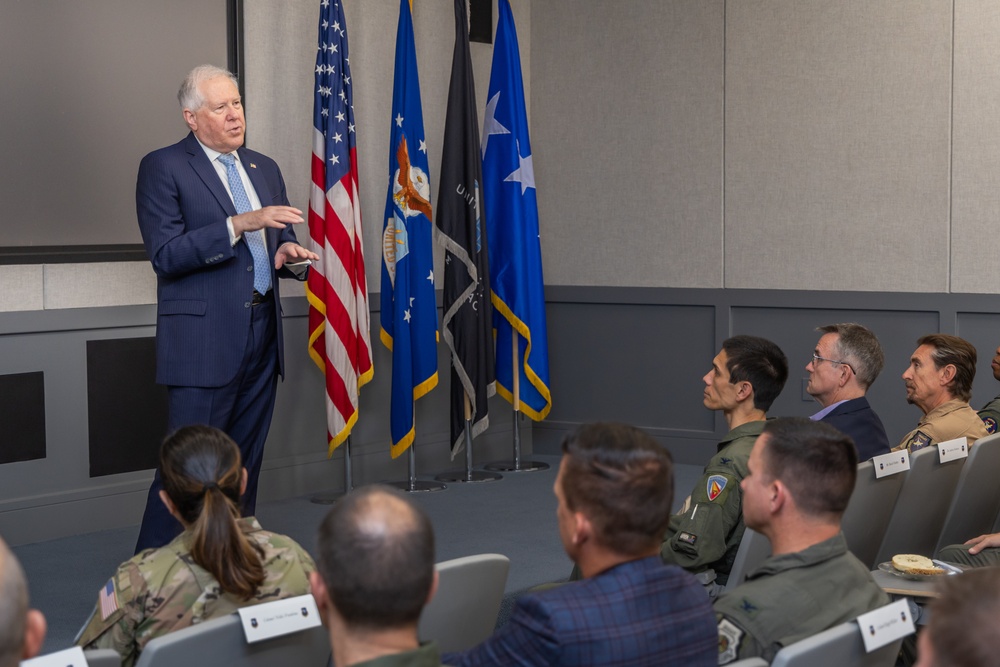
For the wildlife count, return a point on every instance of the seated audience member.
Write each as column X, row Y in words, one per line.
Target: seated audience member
column 22, row 630
column 963, row 630
column 746, row 376
column 939, row 382
column 845, row 363
column 613, row 491
column 219, row 563
column 375, row 572
column 990, row 414
column 801, row 477
column 982, row 551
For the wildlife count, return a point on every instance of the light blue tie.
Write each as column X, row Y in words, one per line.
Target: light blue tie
column 255, row 239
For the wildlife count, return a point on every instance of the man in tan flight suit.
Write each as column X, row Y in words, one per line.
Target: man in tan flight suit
column 939, row 382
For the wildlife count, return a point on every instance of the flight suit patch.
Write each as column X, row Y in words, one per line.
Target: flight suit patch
column 687, row 538
column 990, row 424
column 715, row 485
column 729, row 641
column 918, row 441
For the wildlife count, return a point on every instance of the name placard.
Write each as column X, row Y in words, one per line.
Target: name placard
column 71, row 657
column 891, row 463
column 280, row 617
column 950, row 450
column 885, row 625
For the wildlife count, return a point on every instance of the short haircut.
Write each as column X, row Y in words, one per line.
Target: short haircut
column 376, row 556
column 13, row 607
column 623, row 481
column 859, row 347
column 817, row 463
column 759, row 362
column 963, row 628
column 958, row 352
column 189, row 95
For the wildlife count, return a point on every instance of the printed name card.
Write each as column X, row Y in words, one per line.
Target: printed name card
column 71, row 657
column 886, row 624
column 950, row 450
column 891, row 463
column 281, row 617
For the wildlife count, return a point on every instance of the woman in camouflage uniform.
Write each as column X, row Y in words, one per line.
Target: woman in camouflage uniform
column 218, row 564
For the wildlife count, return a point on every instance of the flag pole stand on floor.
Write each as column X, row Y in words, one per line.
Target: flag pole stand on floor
column 412, row 484
column 468, row 475
column 329, row 499
column 517, row 465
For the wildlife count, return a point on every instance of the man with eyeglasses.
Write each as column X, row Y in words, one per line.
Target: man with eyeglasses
column 939, row 382
column 846, row 361
column 746, row 376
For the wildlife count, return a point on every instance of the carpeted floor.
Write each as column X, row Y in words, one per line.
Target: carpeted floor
column 514, row 516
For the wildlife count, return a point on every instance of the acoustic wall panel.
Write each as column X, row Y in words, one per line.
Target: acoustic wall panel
column 627, row 122
column 976, row 148
column 639, row 364
column 22, row 414
column 126, row 409
column 837, row 144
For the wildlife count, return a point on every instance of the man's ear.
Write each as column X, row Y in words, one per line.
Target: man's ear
column 744, row 390
column 947, row 374
column 779, row 495
column 319, row 592
column 434, row 587
column 34, row 634
column 190, row 119
column 583, row 529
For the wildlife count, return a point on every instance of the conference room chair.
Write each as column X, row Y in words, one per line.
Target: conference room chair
column 976, row 503
column 464, row 610
column 754, row 550
column 919, row 514
column 749, row 662
column 839, row 646
column 867, row 516
column 220, row 641
column 103, row 657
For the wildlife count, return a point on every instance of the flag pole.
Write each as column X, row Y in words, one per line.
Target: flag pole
column 468, row 475
column 412, row 484
column 331, row 498
column 517, row 465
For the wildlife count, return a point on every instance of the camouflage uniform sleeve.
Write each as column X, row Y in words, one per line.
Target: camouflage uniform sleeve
column 735, row 641
column 117, row 629
column 698, row 537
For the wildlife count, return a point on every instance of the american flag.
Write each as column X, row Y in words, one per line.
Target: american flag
column 108, row 600
column 337, row 289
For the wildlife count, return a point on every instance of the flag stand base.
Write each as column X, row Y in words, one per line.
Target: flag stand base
column 412, row 485
column 517, row 466
column 466, row 476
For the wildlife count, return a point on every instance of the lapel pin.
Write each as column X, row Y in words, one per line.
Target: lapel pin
column 253, row 166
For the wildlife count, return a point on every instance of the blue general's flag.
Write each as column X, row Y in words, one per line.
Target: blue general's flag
column 512, row 227
column 409, row 308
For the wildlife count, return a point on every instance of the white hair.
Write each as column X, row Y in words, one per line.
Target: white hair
column 189, row 95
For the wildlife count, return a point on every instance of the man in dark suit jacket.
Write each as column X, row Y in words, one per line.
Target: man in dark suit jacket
column 846, row 361
column 614, row 492
column 218, row 236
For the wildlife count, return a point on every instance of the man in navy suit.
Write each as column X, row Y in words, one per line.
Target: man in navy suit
column 215, row 221
column 614, row 492
column 846, row 361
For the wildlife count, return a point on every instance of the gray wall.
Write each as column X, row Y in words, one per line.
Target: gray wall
column 704, row 168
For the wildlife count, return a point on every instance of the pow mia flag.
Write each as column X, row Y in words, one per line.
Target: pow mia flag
column 468, row 313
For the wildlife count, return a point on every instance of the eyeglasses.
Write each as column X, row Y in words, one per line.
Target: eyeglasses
column 817, row 358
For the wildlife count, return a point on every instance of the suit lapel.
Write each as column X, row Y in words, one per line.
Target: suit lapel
column 206, row 172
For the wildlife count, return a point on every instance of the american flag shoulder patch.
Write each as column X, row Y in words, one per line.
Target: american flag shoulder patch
column 108, row 600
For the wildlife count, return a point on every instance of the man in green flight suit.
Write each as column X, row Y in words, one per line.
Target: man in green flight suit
column 801, row 477
column 990, row 413
column 746, row 376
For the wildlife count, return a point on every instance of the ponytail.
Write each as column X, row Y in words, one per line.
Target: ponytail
column 202, row 475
